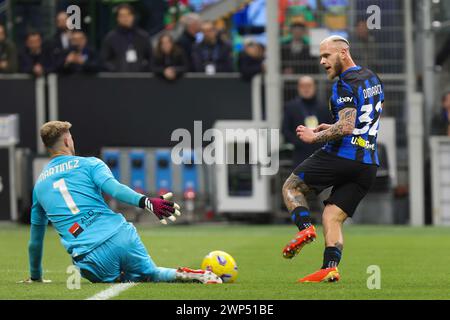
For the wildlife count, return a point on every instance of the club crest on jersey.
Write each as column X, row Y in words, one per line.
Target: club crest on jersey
column 341, row 100
column 76, row 229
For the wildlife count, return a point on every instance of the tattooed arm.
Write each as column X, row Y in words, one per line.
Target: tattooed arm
column 345, row 126
column 294, row 191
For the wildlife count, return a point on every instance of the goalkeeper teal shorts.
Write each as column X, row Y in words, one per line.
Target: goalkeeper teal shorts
column 122, row 258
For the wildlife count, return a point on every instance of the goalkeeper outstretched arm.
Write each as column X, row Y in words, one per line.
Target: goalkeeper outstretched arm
column 161, row 207
column 35, row 251
column 36, row 244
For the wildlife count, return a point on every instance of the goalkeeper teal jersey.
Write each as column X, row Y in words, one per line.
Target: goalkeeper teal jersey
column 68, row 193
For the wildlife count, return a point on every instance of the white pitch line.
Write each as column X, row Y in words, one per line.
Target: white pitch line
column 112, row 291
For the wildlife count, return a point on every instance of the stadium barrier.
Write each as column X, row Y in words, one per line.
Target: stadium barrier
column 139, row 110
column 25, row 96
column 9, row 137
column 440, row 179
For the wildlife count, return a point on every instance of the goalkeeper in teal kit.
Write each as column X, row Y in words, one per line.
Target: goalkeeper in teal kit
column 102, row 244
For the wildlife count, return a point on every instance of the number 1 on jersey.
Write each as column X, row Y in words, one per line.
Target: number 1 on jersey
column 61, row 185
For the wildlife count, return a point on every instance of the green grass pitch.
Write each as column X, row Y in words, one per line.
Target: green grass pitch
column 414, row 264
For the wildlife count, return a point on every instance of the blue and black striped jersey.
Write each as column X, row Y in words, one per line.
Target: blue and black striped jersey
column 361, row 89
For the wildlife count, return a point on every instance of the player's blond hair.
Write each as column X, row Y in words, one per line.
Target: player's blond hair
column 336, row 38
column 52, row 131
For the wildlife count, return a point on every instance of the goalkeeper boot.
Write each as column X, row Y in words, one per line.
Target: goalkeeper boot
column 203, row 276
column 295, row 245
column 323, row 275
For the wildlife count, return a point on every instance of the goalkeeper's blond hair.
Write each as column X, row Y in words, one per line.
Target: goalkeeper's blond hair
column 52, row 131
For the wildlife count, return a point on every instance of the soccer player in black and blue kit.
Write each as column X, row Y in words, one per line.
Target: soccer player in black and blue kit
column 348, row 162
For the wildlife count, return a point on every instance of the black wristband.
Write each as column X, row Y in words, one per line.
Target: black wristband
column 142, row 202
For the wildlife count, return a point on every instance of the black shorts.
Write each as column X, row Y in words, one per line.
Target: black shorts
column 351, row 180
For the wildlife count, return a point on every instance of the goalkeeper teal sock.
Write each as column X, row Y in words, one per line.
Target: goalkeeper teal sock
column 164, row 274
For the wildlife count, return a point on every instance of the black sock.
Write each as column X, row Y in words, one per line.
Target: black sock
column 331, row 257
column 300, row 216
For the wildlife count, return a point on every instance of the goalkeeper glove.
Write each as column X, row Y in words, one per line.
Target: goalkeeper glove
column 161, row 207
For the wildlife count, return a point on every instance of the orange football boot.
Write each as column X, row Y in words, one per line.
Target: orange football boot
column 323, row 275
column 295, row 245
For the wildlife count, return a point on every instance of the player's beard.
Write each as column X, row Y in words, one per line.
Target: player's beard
column 337, row 69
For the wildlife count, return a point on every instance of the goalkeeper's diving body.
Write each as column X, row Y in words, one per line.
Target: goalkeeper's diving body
column 102, row 244
column 348, row 162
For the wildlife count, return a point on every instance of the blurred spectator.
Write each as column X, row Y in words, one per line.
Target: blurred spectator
column 212, row 55
column 27, row 15
column 34, row 59
column 186, row 41
column 8, row 53
column 250, row 21
column 60, row 41
column 336, row 12
column 391, row 35
column 127, row 48
column 440, row 124
column 364, row 46
column 251, row 59
column 295, row 54
column 222, row 30
column 198, row 5
column 156, row 10
column 169, row 61
column 296, row 11
column 78, row 57
column 306, row 109
column 176, row 9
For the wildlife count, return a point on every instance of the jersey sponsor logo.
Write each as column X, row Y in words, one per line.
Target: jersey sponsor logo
column 341, row 100
column 89, row 218
column 358, row 141
column 76, row 229
column 372, row 91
